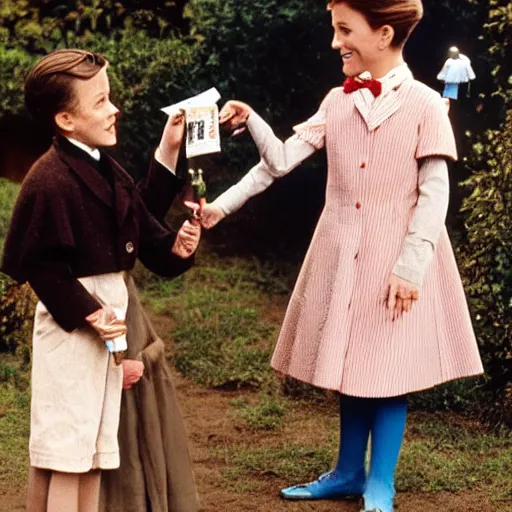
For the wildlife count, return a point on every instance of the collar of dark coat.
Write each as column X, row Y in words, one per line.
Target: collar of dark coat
column 85, row 168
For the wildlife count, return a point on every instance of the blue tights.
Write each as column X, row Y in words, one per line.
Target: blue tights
column 382, row 420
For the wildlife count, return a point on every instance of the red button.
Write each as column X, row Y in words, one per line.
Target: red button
column 363, row 165
column 355, row 257
column 358, row 205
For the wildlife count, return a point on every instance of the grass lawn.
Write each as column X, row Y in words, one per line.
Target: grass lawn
column 223, row 318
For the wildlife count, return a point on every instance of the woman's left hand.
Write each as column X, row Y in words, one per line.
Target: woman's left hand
column 400, row 294
column 170, row 142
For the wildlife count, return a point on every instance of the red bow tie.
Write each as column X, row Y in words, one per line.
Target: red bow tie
column 351, row 85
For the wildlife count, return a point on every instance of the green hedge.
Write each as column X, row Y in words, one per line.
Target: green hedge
column 487, row 262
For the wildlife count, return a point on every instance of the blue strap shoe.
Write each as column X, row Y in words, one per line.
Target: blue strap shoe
column 327, row 487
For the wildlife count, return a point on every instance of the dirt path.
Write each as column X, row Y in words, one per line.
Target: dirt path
column 209, row 425
column 212, row 429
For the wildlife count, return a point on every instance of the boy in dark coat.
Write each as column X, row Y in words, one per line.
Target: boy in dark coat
column 79, row 224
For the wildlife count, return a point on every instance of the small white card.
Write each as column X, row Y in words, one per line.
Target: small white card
column 202, row 134
column 209, row 97
column 202, row 118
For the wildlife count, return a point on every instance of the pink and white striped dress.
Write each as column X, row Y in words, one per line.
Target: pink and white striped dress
column 337, row 333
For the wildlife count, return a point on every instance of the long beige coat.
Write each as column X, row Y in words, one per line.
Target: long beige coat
column 156, row 472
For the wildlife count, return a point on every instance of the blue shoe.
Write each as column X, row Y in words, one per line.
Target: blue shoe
column 327, row 487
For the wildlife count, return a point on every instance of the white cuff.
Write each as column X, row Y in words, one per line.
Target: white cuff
column 413, row 263
column 158, row 159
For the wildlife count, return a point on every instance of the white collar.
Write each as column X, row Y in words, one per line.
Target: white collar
column 392, row 79
column 94, row 153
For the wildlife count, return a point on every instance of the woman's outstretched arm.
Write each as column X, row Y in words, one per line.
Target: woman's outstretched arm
column 277, row 158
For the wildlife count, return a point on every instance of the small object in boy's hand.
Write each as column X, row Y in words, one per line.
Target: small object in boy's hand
column 199, row 188
column 196, row 209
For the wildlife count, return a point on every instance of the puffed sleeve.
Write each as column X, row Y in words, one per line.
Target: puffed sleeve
column 158, row 189
column 313, row 130
column 435, row 134
column 40, row 247
column 280, row 157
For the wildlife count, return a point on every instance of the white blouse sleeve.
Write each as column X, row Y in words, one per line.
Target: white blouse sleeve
column 280, row 157
column 277, row 158
column 283, row 157
column 427, row 221
column 254, row 182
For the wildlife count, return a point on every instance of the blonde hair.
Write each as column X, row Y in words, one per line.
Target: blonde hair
column 402, row 15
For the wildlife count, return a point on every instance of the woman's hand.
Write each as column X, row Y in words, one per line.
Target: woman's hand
column 132, row 372
column 211, row 215
column 106, row 324
column 400, row 295
column 234, row 115
column 169, row 147
column 187, row 239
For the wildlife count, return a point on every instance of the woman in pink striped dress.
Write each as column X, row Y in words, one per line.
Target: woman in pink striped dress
column 378, row 310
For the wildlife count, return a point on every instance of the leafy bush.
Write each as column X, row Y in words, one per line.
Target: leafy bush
column 8, row 194
column 487, row 262
column 16, row 302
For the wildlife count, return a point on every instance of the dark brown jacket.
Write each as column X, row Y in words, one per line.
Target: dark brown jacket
column 75, row 218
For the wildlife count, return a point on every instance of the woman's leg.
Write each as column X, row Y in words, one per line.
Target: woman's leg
column 348, row 478
column 387, row 432
column 89, row 491
column 63, row 492
column 355, row 426
column 38, row 484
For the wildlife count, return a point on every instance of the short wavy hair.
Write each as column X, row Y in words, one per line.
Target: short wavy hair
column 49, row 85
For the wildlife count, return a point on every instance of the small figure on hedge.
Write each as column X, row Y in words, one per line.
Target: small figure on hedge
column 456, row 70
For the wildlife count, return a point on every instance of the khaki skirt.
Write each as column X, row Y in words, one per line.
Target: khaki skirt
column 76, row 389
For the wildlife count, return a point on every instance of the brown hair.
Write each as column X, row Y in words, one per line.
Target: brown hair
column 49, row 86
column 402, row 15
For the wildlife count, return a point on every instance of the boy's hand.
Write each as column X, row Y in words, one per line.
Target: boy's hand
column 187, row 239
column 106, row 324
column 169, row 147
column 132, row 372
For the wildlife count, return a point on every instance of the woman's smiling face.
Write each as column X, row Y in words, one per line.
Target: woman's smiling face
column 359, row 44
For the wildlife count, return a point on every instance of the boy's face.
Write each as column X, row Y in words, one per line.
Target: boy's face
column 93, row 120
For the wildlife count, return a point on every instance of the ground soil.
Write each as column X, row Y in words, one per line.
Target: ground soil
column 210, row 425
